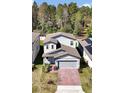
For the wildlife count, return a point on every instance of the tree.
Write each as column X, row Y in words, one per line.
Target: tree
column 59, row 13
column 78, row 23
column 77, row 28
column 34, row 15
column 65, row 15
column 52, row 12
column 66, row 18
column 67, row 28
column 43, row 13
column 72, row 8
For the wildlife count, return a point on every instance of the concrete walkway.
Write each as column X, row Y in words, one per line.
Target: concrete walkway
column 68, row 81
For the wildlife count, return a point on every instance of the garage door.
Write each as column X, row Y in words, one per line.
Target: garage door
column 65, row 63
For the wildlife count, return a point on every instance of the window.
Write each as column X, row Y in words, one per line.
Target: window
column 46, row 46
column 76, row 44
column 52, row 46
column 71, row 43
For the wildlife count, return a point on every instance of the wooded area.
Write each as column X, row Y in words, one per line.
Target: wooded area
column 65, row 18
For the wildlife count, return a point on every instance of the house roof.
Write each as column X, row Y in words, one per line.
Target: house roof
column 88, row 50
column 48, row 40
column 87, row 46
column 62, row 51
column 88, row 40
column 34, row 36
column 51, row 37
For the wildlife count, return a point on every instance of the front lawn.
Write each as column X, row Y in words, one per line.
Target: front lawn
column 86, row 79
column 40, row 81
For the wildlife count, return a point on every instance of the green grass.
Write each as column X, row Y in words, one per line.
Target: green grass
column 41, row 43
column 86, row 79
column 40, row 79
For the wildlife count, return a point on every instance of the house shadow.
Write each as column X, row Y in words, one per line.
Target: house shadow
column 83, row 64
column 39, row 59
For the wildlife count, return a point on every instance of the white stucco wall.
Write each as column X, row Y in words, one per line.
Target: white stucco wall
column 66, row 41
column 46, row 61
column 68, row 57
column 42, row 37
column 35, row 48
column 49, row 47
column 87, row 59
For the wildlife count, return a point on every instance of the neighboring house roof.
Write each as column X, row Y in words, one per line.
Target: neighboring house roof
column 63, row 51
column 87, row 46
column 88, row 40
column 34, row 36
column 88, row 50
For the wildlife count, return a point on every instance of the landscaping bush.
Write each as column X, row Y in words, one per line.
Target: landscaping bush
column 50, row 82
column 80, row 70
column 45, row 68
column 33, row 67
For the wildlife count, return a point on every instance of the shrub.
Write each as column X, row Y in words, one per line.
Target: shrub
column 45, row 68
column 50, row 82
column 33, row 67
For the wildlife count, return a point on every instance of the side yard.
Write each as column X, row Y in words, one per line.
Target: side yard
column 86, row 79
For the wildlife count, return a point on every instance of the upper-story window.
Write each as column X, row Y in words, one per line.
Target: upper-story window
column 76, row 44
column 52, row 46
column 47, row 47
column 71, row 43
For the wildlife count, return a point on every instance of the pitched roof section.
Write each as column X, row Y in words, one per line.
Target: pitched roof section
column 62, row 51
column 87, row 46
column 48, row 40
column 34, row 36
column 51, row 37
column 88, row 50
column 68, row 35
column 68, row 51
column 88, row 40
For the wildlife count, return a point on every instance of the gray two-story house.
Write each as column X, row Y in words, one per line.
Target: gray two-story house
column 60, row 50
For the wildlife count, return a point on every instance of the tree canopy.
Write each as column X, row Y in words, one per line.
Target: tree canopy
column 66, row 18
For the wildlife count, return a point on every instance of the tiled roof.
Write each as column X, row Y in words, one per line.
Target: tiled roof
column 87, row 46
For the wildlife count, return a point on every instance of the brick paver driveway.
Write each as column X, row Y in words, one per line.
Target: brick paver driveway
column 68, row 76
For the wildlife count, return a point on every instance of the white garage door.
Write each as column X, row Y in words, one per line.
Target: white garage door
column 64, row 63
